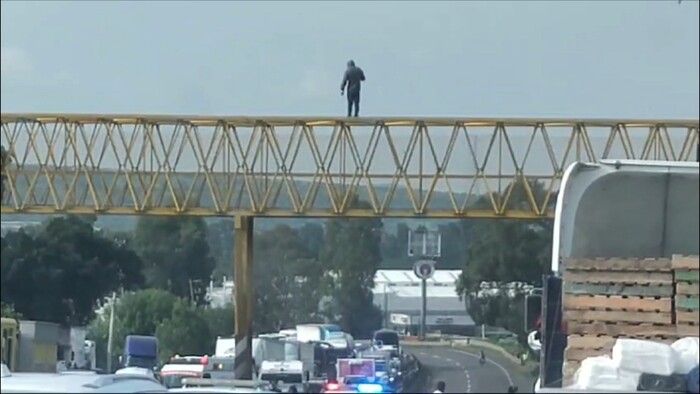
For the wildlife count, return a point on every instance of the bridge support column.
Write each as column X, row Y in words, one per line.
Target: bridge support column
column 243, row 280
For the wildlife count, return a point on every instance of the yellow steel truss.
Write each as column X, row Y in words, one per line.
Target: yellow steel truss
column 274, row 166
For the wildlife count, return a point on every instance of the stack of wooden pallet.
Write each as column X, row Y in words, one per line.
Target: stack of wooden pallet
column 686, row 277
column 606, row 299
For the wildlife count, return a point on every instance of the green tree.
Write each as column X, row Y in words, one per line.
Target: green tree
column 137, row 313
column 500, row 310
column 7, row 310
column 120, row 267
column 394, row 248
column 287, row 279
column 184, row 332
column 220, row 239
column 309, row 287
column 311, row 235
column 58, row 274
column 220, row 321
column 505, row 251
column 180, row 327
column 141, row 312
column 176, row 256
column 456, row 238
column 353, row 252
column 5, row 160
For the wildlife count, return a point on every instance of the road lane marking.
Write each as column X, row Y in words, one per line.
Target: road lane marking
column 499, row 366
column 459, row 365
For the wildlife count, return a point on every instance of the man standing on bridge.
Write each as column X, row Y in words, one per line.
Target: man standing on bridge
column 352, row 79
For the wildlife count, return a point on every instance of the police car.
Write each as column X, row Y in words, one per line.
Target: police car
column 181, row 367
column 357, row 375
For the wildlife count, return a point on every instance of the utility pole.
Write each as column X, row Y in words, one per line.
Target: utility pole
column 386, row 307
column 425, row 244
column 424, row 307
column 110, row 335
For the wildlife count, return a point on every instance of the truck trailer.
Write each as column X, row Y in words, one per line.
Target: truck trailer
column 614, row 210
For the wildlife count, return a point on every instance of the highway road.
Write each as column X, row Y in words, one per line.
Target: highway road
column 462, row 373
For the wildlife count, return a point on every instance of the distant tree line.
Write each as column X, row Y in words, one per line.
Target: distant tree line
column 317, row 272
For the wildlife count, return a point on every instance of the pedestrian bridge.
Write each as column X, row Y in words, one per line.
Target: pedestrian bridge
column 289, row 167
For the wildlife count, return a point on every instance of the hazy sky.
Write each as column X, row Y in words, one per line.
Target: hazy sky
column 564, row 59
column 473, row 59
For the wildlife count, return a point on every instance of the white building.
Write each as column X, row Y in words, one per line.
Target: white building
column 398, row 294
column 220, row 296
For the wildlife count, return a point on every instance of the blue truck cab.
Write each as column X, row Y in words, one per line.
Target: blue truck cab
column 140, row 352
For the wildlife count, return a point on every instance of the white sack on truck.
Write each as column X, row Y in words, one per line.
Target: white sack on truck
column 642, row 356
column 687, row 354
column 601, row 373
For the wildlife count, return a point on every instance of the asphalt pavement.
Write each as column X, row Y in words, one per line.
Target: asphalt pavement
column 462, row 372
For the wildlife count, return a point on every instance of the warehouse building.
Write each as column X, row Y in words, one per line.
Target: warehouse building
column 398, row 294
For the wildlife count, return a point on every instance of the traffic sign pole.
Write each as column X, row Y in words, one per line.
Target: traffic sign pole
column 424, row 309
column 424, row 270
column 425, row 244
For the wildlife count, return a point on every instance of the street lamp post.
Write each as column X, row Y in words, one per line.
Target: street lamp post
column 110, row 334
column 426, row 245
column 386, row 307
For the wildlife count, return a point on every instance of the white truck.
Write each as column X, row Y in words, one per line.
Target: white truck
column 329, row 342
column 611, row 209
column 282, row 347
column 289, row 332
column 225, row 347
column 283, row 374
column 316, row 332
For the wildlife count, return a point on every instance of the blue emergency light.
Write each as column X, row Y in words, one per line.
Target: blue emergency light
column 369, row 388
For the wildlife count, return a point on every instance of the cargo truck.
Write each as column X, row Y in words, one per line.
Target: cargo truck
column 140, row 355
column 611, row 209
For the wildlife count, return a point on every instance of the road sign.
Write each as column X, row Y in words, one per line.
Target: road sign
column 444, row 320
column 400, row 319
column 424, row 243
column 424, row 269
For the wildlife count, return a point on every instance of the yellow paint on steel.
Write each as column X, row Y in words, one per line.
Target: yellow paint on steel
column 311, row 167
column 244, row 291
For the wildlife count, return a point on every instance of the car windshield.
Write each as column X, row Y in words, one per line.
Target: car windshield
column 291, row 351
column 331, row 328
column 285, row 378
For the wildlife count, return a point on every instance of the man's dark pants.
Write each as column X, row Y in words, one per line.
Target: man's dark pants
column 353, row 99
